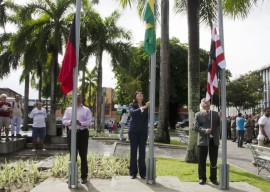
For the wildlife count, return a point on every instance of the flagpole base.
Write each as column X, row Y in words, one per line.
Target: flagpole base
column 151, row 171
column 73, row 178
column 224, row 176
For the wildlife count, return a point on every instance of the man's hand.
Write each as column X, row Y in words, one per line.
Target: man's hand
column 78, row 122
column 208, row 131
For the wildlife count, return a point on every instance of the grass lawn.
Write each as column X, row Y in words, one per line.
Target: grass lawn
column 188, row 172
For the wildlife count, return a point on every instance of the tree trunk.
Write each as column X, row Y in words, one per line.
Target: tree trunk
column 173, row 115
column 26, row 100
column 51, row 119
column 53, row 81
column 99, row 92
column 163, row 123
column 193, row 76
column 40, row 86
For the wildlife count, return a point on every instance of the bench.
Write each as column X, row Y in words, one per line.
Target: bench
column 182, row 136
column 261, row 157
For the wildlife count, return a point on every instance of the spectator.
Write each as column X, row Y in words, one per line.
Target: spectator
column 5, row 112
column 17, row 113
column 233, row 129
column 39, row 115
column 264, row 129
column 229, row 135
column 123, row 122
column 240, row 121
column 248, row 129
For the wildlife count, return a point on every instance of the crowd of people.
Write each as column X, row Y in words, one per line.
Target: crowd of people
column 247, row 128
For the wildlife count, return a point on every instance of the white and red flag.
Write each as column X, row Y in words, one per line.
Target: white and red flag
column 216, row 62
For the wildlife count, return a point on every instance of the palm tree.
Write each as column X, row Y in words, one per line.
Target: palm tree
column 87, row 48
column 90, row 85
column 164, row 82
column 193, row 74
column 51, row 17
column 106, row 36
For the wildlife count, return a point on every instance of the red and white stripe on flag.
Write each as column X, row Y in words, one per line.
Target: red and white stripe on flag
column 216, row 61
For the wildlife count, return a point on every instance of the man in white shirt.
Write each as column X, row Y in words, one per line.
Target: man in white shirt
column 264, row 129
column 17, row 113
column 39, row 115
column 84, row 117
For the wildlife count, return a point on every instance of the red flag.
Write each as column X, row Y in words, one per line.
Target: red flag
column 69, row 62
column 216, row 62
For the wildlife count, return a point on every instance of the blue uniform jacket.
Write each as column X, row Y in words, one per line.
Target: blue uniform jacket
column 139, row 120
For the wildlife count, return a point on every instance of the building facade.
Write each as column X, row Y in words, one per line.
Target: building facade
column 265, row 73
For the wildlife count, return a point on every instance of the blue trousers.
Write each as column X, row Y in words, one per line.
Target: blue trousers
column 137, row 140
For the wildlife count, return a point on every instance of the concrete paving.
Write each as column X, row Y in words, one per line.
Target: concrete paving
column 125, row 184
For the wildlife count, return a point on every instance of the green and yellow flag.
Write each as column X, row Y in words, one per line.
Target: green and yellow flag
column 150, row 33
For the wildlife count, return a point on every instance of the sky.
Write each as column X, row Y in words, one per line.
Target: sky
column 246, row 42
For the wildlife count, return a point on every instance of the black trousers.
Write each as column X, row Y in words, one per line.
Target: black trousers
column 137, row 140
column 82, row 149
column 202, row 156
column 240, row 139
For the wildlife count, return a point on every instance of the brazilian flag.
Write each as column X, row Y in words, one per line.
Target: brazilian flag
column 150, row 33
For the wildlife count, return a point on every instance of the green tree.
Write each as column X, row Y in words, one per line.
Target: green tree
column 244, row 92
column 50, row 16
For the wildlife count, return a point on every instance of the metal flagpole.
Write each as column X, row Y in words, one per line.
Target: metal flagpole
column 151, row 163
column 73, row 166
column 224, row 172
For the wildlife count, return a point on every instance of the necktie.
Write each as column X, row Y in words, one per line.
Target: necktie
column 208, row 114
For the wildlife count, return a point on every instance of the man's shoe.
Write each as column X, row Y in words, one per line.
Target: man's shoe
column 133, row 176
column 12, row 135
column 215, row 182
column 143, row 177
column 84, row 181
column 202, row 182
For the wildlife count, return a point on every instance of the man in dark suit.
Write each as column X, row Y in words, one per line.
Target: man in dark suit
column 207, row 126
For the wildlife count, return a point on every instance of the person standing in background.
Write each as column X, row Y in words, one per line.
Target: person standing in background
column 264, row 129
column 5, row 112
column 123, row 122
column 138, row 133
column 240, row 126
column 39, row 116
column 17, row 113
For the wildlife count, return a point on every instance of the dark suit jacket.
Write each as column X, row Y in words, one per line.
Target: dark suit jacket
column 202, row 122
column 139, row 120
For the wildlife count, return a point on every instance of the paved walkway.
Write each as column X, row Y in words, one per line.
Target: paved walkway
column 125, row 184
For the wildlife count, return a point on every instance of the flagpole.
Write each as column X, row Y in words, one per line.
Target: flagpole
column 73, row 166
column 151, row 162
column 224, row 172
